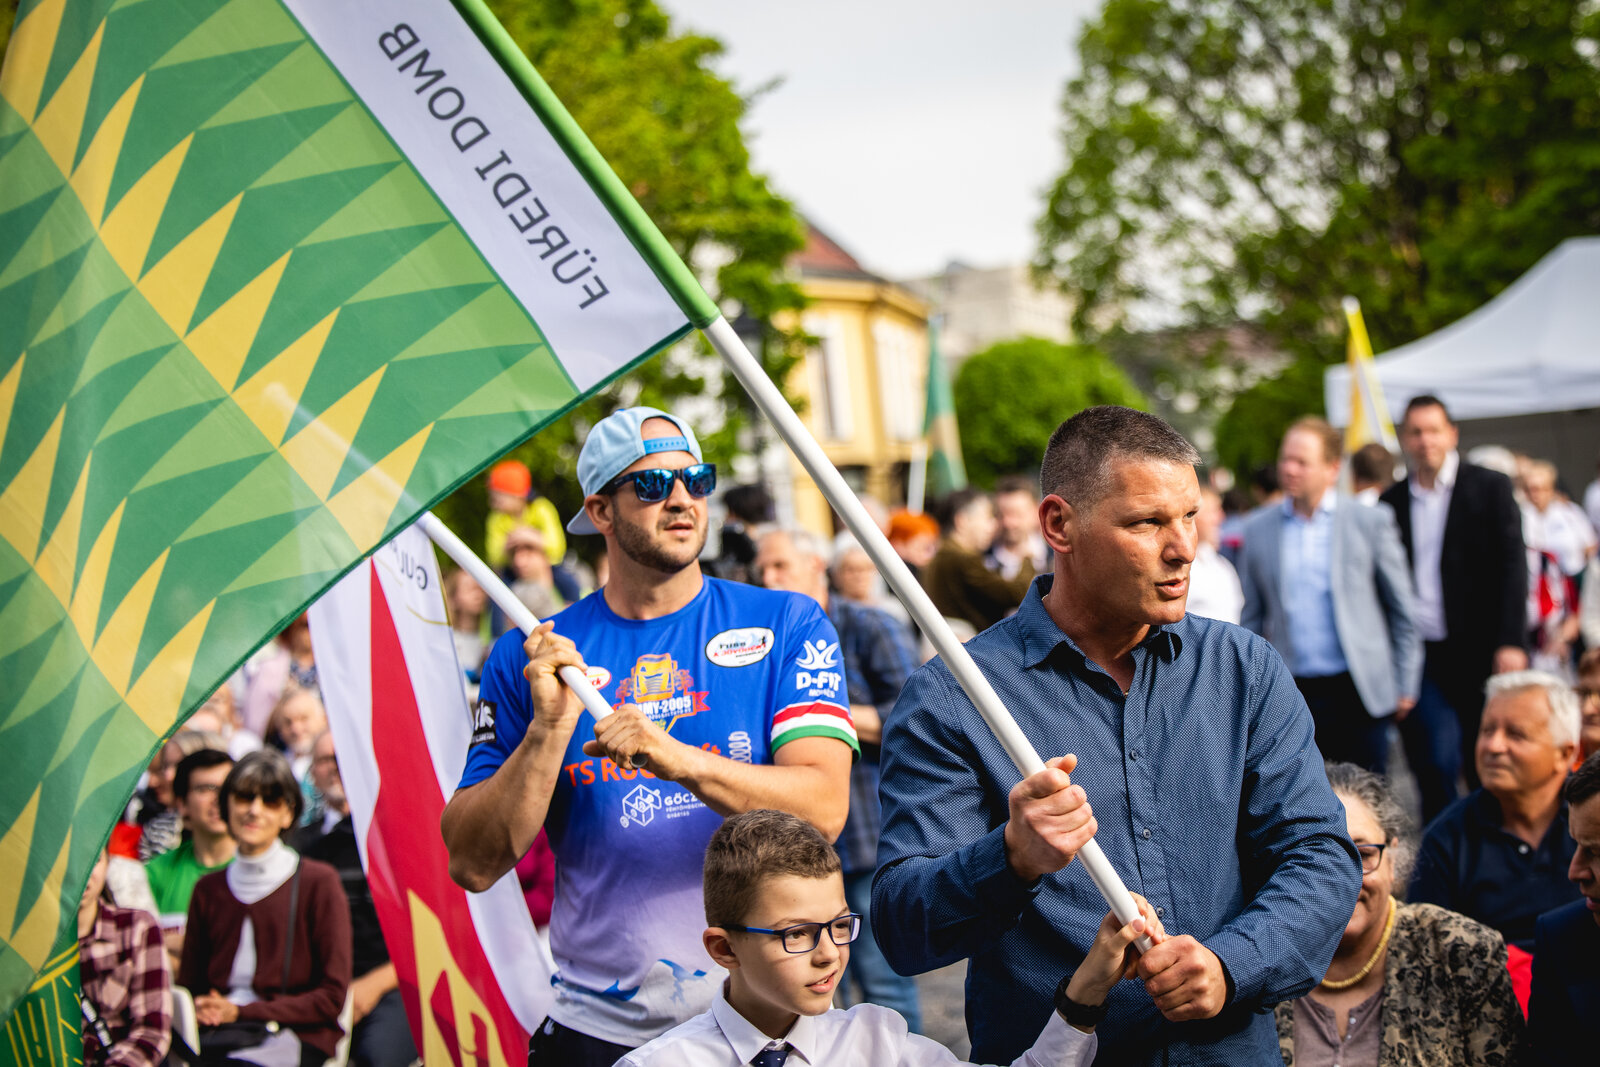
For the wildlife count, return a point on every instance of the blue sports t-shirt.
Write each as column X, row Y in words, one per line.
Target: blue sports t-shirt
column 738, row 671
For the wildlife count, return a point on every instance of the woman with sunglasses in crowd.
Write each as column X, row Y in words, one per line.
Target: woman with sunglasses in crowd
column 267, row 951
column 1410, row 984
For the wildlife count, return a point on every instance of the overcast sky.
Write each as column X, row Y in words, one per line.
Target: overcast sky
column 914, row 133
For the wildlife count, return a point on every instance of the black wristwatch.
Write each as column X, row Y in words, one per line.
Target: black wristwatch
column 1073, row 1013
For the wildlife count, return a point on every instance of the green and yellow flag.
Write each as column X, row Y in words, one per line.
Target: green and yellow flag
column 275, row 275
column 947, row 471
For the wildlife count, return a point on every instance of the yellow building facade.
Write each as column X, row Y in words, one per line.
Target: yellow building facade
column 863, row 380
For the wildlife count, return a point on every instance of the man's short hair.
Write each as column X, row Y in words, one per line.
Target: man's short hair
column 756, row 845
column 1584, row 782
column 956, row 503
column 1016, row 483
column 1426, row 400
column 265, row 774
column 1077, row 462
column 1331, row 440
column 195, row 761
column 1372, row 464
column 1566, row 714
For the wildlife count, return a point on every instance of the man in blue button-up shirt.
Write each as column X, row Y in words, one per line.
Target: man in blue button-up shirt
column 1193, row 746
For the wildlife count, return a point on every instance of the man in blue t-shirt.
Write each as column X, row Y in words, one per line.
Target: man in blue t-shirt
column 727, row 698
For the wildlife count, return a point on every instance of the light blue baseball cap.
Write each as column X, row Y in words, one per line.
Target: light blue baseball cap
column 616, row 443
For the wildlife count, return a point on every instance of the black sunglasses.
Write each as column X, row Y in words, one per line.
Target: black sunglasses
column 655, row 485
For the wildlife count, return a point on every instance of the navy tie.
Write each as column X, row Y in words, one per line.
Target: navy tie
column 771, row 1057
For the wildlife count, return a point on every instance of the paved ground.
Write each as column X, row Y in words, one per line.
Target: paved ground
column 944, row 1007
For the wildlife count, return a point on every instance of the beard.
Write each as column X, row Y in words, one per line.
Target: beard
column 640, row 544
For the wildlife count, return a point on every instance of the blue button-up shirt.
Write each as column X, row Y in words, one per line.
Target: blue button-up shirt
column 1211, row 802
column 1306, row 567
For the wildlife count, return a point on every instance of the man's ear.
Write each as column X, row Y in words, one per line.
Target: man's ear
column 1056, row 522
column 599, row 508
column 720, row 947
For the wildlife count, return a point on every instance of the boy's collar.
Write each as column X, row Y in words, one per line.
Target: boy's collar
column 746, row 1040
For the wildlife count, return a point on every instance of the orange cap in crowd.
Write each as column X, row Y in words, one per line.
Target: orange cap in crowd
column 510, row 476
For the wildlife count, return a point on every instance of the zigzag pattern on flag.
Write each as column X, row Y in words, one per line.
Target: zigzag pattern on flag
column 240, row 343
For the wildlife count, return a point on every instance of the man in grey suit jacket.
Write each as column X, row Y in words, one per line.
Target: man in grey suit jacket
column 1325, row 580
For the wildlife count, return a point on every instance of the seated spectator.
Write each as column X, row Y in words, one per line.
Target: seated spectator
column 296, row 722
column 776, row 871
column 219, row 715
column 1565, row 1005
column 205, row 848
column 122, row 973
column 1588, row 690
column 1409, row 983
column 380, row 1035
column 958, row 583
column 288, row 661
column 468, row 605
column 155, row 808
column 1500, row 853
column 532, row 579
column 268, row 939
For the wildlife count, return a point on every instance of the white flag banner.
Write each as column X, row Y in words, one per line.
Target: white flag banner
column 474, row 976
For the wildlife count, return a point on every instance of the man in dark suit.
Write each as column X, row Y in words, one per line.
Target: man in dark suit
column 1565, row 1002
column 1463, row 534
column 1325, row 581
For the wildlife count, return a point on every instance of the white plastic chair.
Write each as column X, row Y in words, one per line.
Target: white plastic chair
column 184, row 1021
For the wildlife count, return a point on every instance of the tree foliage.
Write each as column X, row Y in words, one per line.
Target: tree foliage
column 1258, row 159
column 1249, row 433
column 1011, row 396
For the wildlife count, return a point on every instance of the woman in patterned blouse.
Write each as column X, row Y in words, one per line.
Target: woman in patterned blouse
column 1410, row 984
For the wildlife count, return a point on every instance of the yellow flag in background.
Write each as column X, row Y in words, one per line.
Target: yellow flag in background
column 1369, row 415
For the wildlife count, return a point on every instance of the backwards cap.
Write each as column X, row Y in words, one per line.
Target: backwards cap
column 616, row 443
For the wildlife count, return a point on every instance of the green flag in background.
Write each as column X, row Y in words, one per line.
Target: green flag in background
column 946, row 471
column 275, row 275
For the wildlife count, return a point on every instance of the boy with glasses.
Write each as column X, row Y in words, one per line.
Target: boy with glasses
column 779, row 923
column 727, row 698
column 205, row 848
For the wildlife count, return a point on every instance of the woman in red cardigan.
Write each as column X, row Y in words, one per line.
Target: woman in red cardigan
column 267, row 907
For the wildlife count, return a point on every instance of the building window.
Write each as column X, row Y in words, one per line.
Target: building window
column 897, row 380
column 830, row 384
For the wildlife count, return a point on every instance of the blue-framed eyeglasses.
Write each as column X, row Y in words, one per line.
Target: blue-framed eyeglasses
column 807, row 936
column 655, row 485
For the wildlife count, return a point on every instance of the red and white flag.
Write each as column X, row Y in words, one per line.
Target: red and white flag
column 474, row 976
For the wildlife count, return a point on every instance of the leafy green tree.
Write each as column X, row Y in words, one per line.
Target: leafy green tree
column 1011, row 396
column 1249, row 433
column 1259, row 159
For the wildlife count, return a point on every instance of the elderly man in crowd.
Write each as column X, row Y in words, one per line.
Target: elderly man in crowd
column 876, row 654
column 1326, row 581
column 1566, row 983
column 1500, row 854
column 1191, row 740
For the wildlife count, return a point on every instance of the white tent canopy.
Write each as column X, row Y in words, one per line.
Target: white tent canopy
column 1534, row 348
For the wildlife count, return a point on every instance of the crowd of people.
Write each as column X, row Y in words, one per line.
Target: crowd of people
column 790, row 781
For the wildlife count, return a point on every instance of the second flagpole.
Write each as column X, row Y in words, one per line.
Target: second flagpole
column 832, row 484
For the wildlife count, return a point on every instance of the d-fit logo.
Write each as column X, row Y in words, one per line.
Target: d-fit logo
column 640, row 806
column 818, row 655
column 482, row 723
column 815, row 659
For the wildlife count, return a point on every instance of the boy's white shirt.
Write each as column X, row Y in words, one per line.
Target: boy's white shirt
column 864, row 1034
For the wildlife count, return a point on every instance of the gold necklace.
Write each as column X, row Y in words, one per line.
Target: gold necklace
column 1377, row 954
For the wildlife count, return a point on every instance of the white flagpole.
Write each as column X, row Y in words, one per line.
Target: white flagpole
column 799, row 439
column 515, row 610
